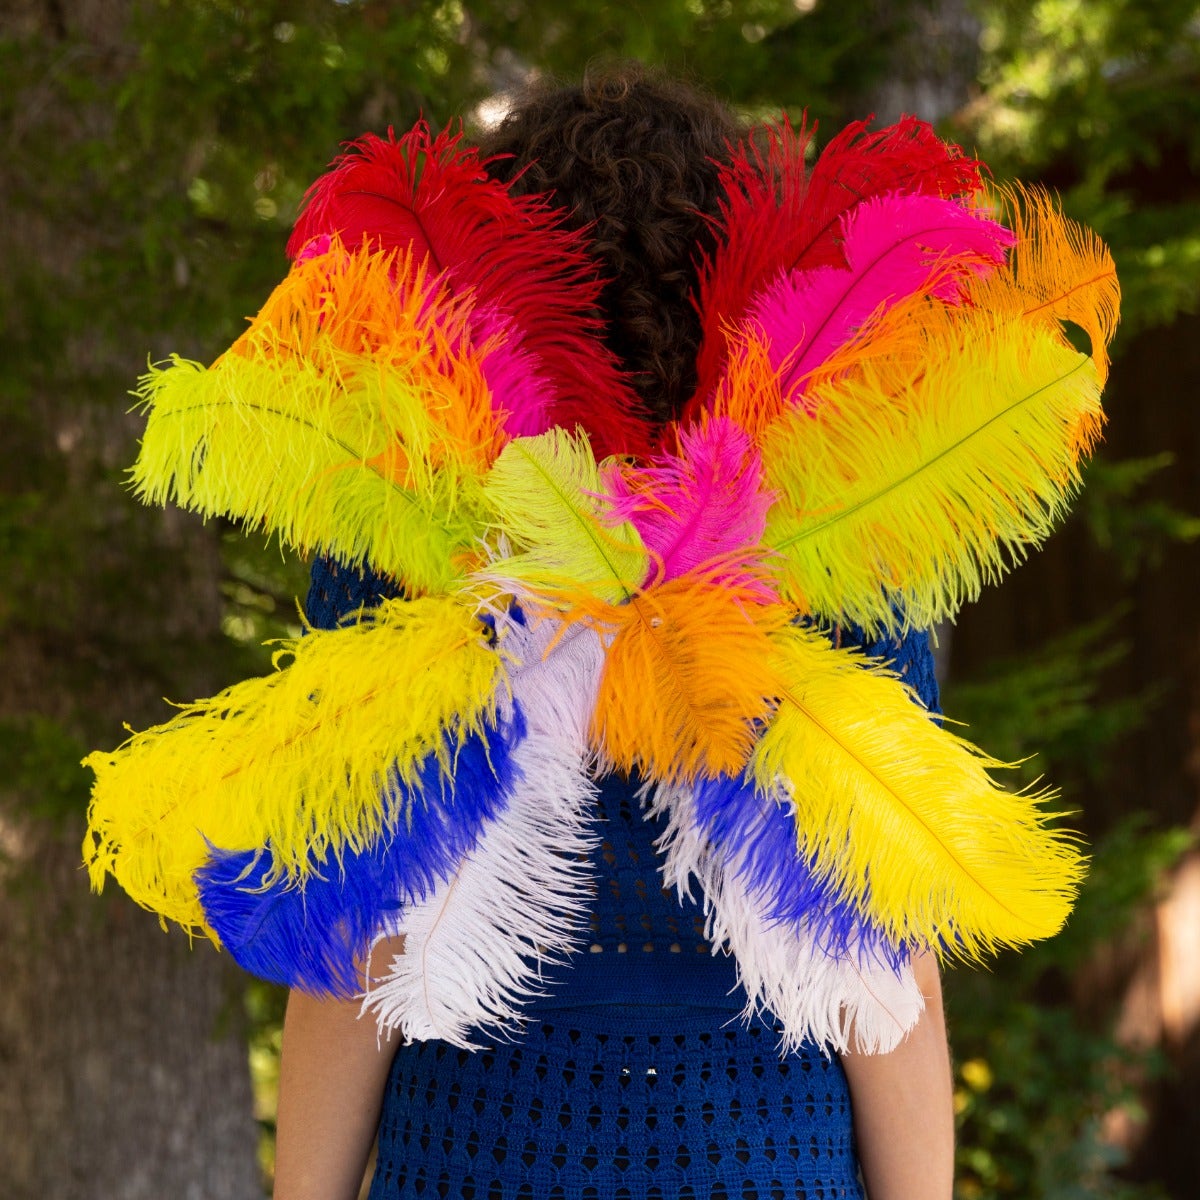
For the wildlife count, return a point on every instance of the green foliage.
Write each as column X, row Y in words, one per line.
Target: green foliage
column 39, row 758
column 1031, row 1105
column 228, row 113
column 264, row 588
column 1035, row 1081
column 1041, row 711
column 1134, row 530
column 1102, row 99
column 760, row 54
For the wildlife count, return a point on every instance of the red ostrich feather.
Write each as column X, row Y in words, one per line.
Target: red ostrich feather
column 511, row 252
column 777, row 217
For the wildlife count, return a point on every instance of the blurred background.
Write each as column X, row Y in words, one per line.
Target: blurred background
column 153, row 157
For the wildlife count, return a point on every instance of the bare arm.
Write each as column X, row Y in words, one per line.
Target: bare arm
column 904, row 1108
column 331, row 1078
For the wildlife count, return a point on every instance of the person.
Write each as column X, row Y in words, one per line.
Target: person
column 633, row 1074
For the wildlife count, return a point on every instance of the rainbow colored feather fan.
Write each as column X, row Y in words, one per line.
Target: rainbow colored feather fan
column 889, row 415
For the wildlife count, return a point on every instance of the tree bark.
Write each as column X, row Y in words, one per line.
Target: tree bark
column 122, row 1048
column 123, row 1055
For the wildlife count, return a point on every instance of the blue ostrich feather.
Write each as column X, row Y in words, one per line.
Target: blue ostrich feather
column 314, row 935
column 760, row 835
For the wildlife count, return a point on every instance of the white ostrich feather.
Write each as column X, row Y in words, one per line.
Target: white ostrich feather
column 847, row 1001
column 474, row 951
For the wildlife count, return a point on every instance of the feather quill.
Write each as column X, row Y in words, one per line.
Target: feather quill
column 849, row 1001
column 914, row 484
column 901, row 816
column 474, row 951
column 304, row 760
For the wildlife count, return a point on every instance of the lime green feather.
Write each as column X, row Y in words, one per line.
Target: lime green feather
column 312, row 457
column 543, row 496
column 910, row 487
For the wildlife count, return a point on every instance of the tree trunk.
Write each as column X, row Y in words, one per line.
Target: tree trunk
column 124, row 1063
column 123, row 1051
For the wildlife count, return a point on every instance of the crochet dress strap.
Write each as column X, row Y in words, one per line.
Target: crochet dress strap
column 335, row 591
column 634, row 1076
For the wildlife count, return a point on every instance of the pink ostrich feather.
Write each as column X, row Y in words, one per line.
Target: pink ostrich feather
column 895, row 246
column 522, row 396
column 708, row 503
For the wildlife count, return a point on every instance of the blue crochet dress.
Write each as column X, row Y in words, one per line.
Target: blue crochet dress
column 635, row 1077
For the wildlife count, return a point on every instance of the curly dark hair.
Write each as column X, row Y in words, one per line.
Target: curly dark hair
column 632, row 154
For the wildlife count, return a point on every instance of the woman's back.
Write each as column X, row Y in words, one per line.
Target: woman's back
column 634, row 1075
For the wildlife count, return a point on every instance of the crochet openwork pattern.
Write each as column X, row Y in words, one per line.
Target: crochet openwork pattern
column 634, row 1078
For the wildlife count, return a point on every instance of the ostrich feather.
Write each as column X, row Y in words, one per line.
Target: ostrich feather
column 522, row 398
column 1058, row 271
column 475, row 949
column 847, row 1001
column 342, row 421
column 707, row 503
column 544, row 495
column 913, row 485
column 314, row 933
column 759, row 236
column 902, row 817
column 775, row 219
column 386, row 304
column 433, row 195
column 750, row 393
column 686, row 678
column 305, row 760
column 894, row 246
column 754, row 833
column 859, row 164
column 891, row 346
column 559, row 664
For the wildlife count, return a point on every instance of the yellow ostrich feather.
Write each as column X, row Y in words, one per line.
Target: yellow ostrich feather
column 915, row 487
column 543, row 497
column 344, row 420
column 903, row 815
column 296, row 760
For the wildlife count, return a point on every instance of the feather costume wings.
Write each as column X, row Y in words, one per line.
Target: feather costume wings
column 889, row 415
